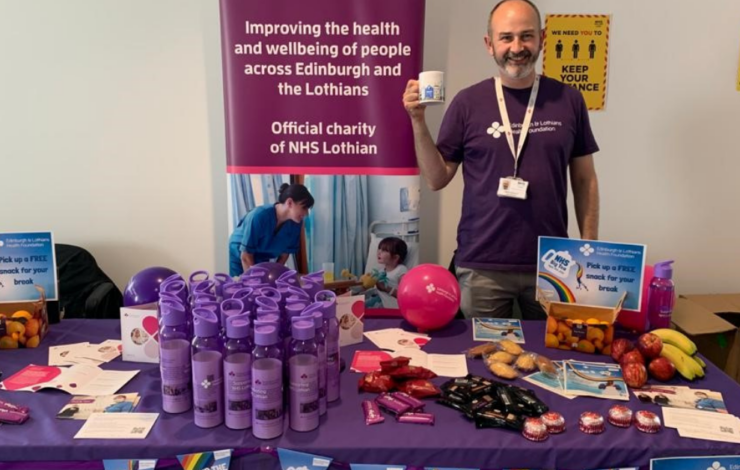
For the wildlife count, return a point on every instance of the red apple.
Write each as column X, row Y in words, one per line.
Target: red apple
column 632, row 356
column 661, row 368
column 650, row 345
column 621, row 346
column 635, row 374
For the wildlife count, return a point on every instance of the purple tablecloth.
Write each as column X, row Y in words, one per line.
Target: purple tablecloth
column 343, row 435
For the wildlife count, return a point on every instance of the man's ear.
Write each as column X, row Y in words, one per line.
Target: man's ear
column 542, row 38
column 489, row 45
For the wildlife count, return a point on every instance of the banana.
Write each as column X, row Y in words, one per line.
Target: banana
column 700, row 361
column 685, row 365
column 677, row 339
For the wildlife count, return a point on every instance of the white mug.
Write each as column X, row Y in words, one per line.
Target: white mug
column 432, row 87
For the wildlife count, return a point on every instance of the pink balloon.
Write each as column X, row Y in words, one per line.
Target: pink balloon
column 428, row 297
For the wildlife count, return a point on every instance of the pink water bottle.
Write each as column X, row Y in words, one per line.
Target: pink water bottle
column 661, row 296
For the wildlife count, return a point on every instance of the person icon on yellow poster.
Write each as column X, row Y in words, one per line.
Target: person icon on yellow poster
column 576, row 47
column 559, row 49
column 591, row 49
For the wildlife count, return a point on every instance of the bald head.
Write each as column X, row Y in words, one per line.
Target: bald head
column 514, row 7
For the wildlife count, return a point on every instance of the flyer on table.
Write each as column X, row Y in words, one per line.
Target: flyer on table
column 588, row 272
column 27, row 260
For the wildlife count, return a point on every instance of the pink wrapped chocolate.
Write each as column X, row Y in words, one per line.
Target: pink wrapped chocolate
column 417, row 418
column 647, row 421
column 416, row 404
column 392, row 405
column 372, row 412
column 535, row 430
column 591, row 423
column 554, row 422
column 620, row 416
column 12, row 417
column 6, row 405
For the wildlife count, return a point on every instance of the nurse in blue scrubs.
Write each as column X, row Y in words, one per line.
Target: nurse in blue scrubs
column 271, row 232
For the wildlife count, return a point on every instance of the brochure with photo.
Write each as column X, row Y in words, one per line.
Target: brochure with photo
column 592, row 379
column 496, row 329
column 82, row 406
column 682, row 397
column 554, row 385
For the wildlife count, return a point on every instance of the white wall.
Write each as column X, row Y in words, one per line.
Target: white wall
column 112, row 133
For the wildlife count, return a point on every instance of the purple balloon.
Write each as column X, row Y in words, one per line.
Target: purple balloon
column 143, row 288
column 274, row 270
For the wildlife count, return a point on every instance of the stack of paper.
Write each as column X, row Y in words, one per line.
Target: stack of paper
column 84, row 353
column 697, row 424
column 496, row 329
column 81, row 407
column 78, row 379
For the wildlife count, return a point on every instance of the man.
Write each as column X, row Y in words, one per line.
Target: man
column 513, row 191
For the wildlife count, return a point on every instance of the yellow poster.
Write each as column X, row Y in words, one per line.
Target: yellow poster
column 576, row 52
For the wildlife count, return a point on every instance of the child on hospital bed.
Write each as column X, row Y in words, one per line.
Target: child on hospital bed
column 392, row 253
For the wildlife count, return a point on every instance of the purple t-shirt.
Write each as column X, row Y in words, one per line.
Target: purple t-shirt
column 496, row 233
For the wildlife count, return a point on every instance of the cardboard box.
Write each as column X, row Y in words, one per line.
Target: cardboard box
column 712, row 321
column 139, row 333
column 24, row 324
column 581, row 328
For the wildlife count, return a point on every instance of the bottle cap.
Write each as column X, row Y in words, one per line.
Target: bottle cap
column 270, row 292
column 290, row 276
column 266, row 305
column 230, row 308
column 318, row 318
column 201, row 297
column 265, row 335
column 329, row 301
column 205, row 323
column 230, row 288
column 303, row 329
column 270, row 317
column 663, row 269
column 198, row 276
column 256, row 272
column 244, row 294
column 237, row 326
column 211, row 305
column 173, row 313
column 175, row 287
column 298, row 294
column 206, row 287
column 295, row 308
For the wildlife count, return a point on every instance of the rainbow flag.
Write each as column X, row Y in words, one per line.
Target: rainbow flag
column 213, row 460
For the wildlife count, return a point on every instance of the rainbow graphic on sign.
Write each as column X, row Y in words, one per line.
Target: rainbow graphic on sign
column 563, row 291
column 214, row 460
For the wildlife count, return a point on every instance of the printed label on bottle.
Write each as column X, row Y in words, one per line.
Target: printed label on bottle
column 267, row 398
column 208, row 389
column 304, row 392
column 322, row 378
column 238, row 387
column 174, row 367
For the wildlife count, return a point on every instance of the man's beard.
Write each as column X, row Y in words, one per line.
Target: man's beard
column 516, row 71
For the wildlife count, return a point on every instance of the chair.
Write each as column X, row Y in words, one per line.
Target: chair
column 85, row 291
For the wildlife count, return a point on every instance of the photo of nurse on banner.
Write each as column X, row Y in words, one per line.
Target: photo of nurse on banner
column 365, row 227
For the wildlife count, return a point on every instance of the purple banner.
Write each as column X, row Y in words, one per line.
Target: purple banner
column 315, row 87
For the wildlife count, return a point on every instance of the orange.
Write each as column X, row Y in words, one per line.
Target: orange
column 552, row 325
column 32, row 327
column 593, row 334
column 586, row 346
column 551, row 341
column 23, row 314
column 7, row 342
column 609, row 335
column 33, row 341
column 14, row 327
column 607, row 350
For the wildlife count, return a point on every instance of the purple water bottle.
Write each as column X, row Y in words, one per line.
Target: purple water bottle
column 314, row 311
column 267, row 384
column 208, row 380
column 174, row 359
column 328, row 300
column 303, row 365
column 661, row 295
column 238, row 373
column 230, row 308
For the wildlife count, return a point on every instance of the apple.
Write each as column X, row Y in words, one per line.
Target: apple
column 632, row 356
column 661, row 368
column 649, row 345
column 634, row 374
column 621, row 346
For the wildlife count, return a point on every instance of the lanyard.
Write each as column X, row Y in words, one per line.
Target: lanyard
column 527, row 119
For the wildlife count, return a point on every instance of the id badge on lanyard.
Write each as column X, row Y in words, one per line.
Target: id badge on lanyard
column 513, row 186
